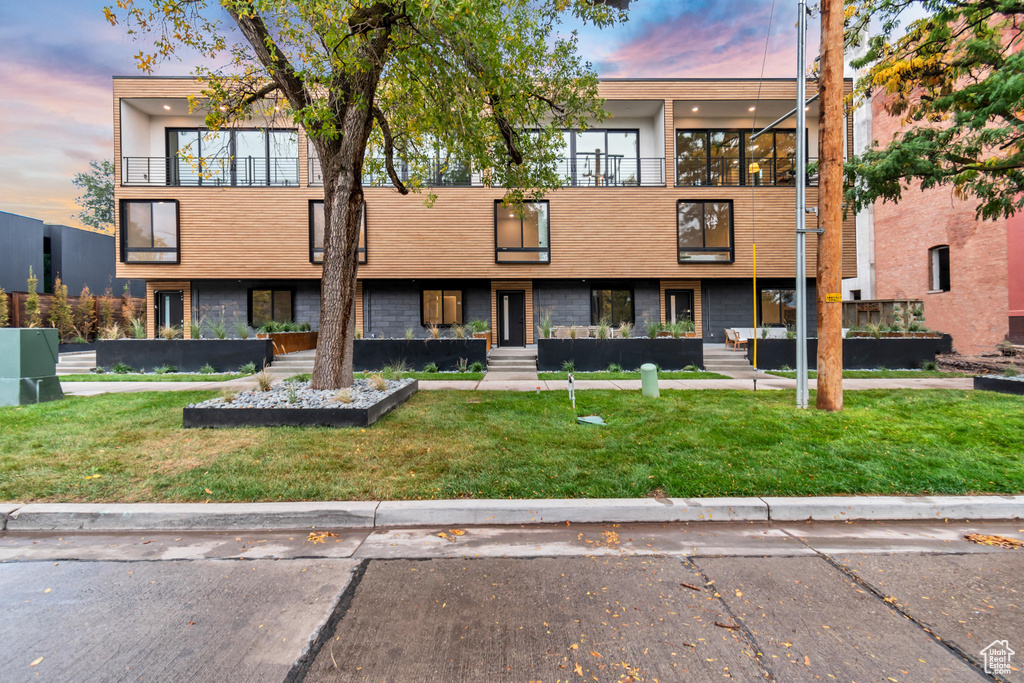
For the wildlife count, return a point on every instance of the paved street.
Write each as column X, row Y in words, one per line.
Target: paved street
column 697, row 602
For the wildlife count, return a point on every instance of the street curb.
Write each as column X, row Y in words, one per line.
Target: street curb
column 498, row 512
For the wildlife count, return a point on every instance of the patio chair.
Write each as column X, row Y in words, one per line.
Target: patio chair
column 561, row 332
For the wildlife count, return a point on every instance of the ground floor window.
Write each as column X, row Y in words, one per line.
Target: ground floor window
column 614, row 306
column 778, row 307
column 442, row 307
column 938, row 268
column 270, row 305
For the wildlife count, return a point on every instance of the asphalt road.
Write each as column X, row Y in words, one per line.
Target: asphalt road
column 699, row 602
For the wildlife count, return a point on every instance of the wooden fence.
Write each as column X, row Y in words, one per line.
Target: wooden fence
column 885, row 311
column 18, row 315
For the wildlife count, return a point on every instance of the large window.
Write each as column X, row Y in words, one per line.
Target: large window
column 270, row 305
column 704, row 231
column 521, row 233
column 149, row 231
column 246, row 158
column 442, row 307
column 614, row 306
column 596, row 158
column 938, row 268
column 316, row 233
column 778, row 307
column 725, row 157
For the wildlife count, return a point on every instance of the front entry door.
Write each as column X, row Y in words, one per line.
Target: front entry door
column 678, row 305
column 170, row 309
column 512, row 318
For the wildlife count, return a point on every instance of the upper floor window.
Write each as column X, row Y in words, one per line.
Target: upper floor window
column 938, row 268
column 725, row 157
column 614, row 306
column 442, row 307
column 704, row 231
column 316, row 232
column 597, row 158
column 236, row 157
column 149, row 231
column 778, row 307
column 433, row 165
column 521, row 233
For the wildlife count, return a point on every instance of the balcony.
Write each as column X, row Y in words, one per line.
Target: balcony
column 210, row 172
column 734, row 172
column 584, row 170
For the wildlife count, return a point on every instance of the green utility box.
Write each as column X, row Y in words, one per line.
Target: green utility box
column 28, row 366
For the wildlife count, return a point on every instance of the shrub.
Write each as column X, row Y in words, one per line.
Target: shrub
column 462, row 365
column 293, row 396
column 1010, row 372
column 604, row 329
column 572, row 332
column 476, row 366
column 164, row 369
column 169, row 332
column 395, row 369
column 691, row 368
column 929, row 366
column 430, row 367
column 128, row 313
column 479, row 326
column 4, row 313
column 195, row 327
column 85, row 313
column 106, row 306
column 80, row 340
column 263, row 380
column 137, row 327
column 359, row 333
column 120, row 368
column 613, row 367
column 342, row 396
column 545, row 325
column 111, row 331
column 378, row 383
column 875, row 329
column 568, row 366
column 60, row 317
column 248, row 369
column 33, row 316
column 1005, row 347
column 785, row 368
column 242, row 330
column 99, row 370
column 435, row 331
column 207, row 370
column 228, row 396
column 461, row 331
column 652, row 327
column 626, row 329
column 408, row 333
column 219, row 328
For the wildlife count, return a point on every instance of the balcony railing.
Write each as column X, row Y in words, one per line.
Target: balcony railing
column 735, row 171
column 211, row 171
column 585, row 170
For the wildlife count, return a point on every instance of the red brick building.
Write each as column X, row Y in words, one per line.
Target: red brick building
column 968, row 272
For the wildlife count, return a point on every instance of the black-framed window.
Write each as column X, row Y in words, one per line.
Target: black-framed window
column 521, row 233
column 600, row 157
column 704, row 231
column 441, row 307
column 611, row 304
column 778, row 307
column 271, row 305
column 316, row 232
column 730, row 157
column 938, row 268
column 150, row 231
column 241, row 157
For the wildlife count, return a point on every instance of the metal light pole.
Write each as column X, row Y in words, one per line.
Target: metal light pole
column 801, row 207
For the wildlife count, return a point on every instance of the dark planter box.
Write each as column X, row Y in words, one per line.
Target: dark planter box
column 188, row 355
column 859, row 353
column 1001, row 384
column 595, row 355
column 72, row 348
column 374, row 354
column 296, row 417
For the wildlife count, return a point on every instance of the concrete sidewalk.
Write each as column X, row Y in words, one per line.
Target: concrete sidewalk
column 776, row 383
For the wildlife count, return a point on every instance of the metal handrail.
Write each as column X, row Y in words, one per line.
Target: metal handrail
column 736, row 171
column 211, row 171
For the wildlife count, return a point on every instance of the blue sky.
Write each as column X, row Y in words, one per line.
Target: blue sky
column 57, row 58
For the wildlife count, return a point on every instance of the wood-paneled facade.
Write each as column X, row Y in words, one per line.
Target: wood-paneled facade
column 596, row 233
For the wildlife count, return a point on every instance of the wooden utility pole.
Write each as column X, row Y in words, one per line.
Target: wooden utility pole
column 830, row 209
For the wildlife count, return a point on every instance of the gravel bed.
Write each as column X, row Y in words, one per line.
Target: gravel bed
column 299, row 395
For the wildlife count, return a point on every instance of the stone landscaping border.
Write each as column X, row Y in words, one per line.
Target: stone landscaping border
column 196, row 417
column 374, row 514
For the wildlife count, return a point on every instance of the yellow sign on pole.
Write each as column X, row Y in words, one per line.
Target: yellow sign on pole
column 834, row 298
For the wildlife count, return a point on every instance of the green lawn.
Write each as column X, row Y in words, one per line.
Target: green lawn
column 631, row 375
column 134, row 377
column 876, row 374
column 446, row 444
column 465, row 376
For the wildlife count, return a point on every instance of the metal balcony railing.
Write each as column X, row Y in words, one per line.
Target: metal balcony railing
column 584, row 170
column 211, row 171
column 734, row 171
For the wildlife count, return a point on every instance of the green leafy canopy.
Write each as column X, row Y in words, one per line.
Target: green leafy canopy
column 97, row 202
column 956, row 79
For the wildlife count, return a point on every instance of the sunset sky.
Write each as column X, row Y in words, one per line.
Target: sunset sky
column 57, row 58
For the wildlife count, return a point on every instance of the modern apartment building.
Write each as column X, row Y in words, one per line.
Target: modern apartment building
column 658, row 219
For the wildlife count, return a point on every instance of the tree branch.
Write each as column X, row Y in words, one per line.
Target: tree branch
column 261, row 93
column 267, row 52
column 389, row 150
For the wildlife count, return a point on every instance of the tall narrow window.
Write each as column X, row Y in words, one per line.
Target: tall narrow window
column 778, row 307
column 938, row 268
column 704, row 231
column 521, row 233
column 316, row 233
column 149, row 231
column 614, row 306
column 442, row 307
column 270, row 305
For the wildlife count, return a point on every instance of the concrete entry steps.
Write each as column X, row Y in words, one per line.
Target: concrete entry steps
column 76, row 363
column 730, row 363
column 511, row 364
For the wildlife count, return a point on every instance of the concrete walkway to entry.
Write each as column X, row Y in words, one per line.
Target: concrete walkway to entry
column 778, row 383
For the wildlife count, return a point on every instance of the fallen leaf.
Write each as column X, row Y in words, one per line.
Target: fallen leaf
column 320, row 537
column 807, row 660
column 47, row 590
column 36, row 662
column 992, row 539
column 208, row 490
column 457, row 532
column 578, row 670
column 596, row 654
column 731, row 626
